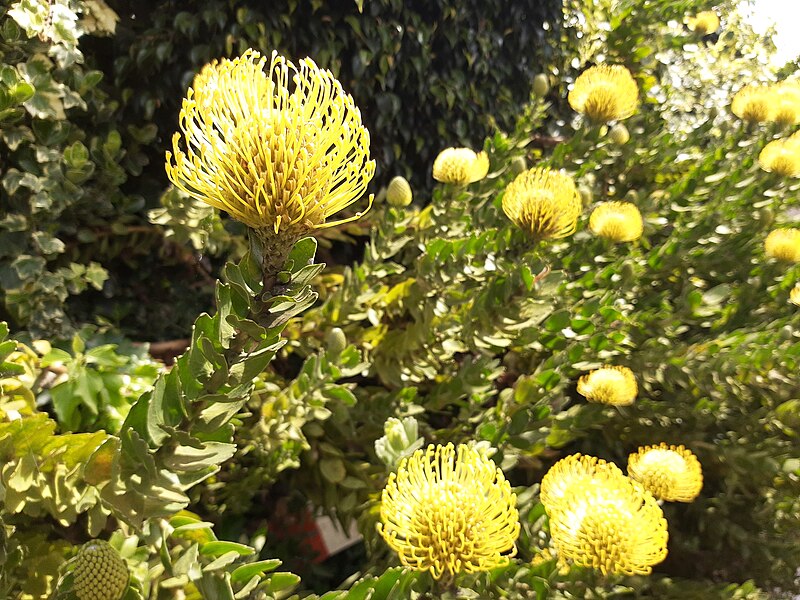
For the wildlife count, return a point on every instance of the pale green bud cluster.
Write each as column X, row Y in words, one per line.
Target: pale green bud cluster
column 401, row 439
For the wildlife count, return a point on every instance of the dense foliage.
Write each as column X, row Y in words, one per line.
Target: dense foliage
column 301, row 391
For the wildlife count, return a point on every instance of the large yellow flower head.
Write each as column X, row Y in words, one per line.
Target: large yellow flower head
column 617, row 221
column 609, row 385
column 794, row 295
column 575, row 470
column 786, row 103
column 460, row 166
column 543, row 203
column 704, row 22
column 449, row 510
column 610, row 524
column 280, row 150
column 605, row 93
column 670, row 473
column 783, row 244
column 781, row 157
column 752, row 103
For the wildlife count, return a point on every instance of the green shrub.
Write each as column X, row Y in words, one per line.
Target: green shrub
column 304, row 390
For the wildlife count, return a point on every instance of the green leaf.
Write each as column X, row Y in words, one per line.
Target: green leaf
column 246, row 572
column 219, row 548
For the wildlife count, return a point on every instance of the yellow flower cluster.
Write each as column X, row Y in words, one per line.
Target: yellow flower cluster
column 670, row 473
column 783, row 244
column 612, row 385
column 544, row 203
column 601, row 519
column 449, row 510
column 782, row 157
column 460, row 166
column 617, row 221
column 758, row 103
column 704, row 22
column 280, row 150
column 605, row 93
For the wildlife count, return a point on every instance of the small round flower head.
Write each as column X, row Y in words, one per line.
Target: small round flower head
column 781, row 157
column 614, row 526
column 281, row 151
column 670, row 473
column 399, row 192
column 753, row 104
column 543, row 203
column 460, row 166
column 704, row 22
column 577, row 469
column 100, row 573
column 786, row 103
column 449, row 510
column 794, row 295
column 617, row 221
column 605, row 93
column 612, row 385
column 783, row 244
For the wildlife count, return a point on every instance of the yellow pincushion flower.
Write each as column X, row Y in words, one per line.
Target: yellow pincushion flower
column 753, row 104
column 781, row 157
column 783, row 244
column 794, row 295
column 605, row 93
column 670, row 473
column 786, row 103
column 280, row 150
column 614, row 526
column 704, row 22
column 617, row 221
column 460, row 166
column 609, row 385
column 577, row 469
column 543, row 203
column 448, row 511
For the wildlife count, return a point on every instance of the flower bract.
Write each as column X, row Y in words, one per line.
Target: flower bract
column 460, row 166
column 449, row 510
column 605, row 93
column 670, row 473
column 278, row 146
column 613, row 385
column 617, row 221
column 783, row 244
column 543, row 203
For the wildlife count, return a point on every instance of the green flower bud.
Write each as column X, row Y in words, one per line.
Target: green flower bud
column 399, row 192
column 518, row 164
column 100, row 573
column 619, row 134
column 541, row 85
column 335, row 341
